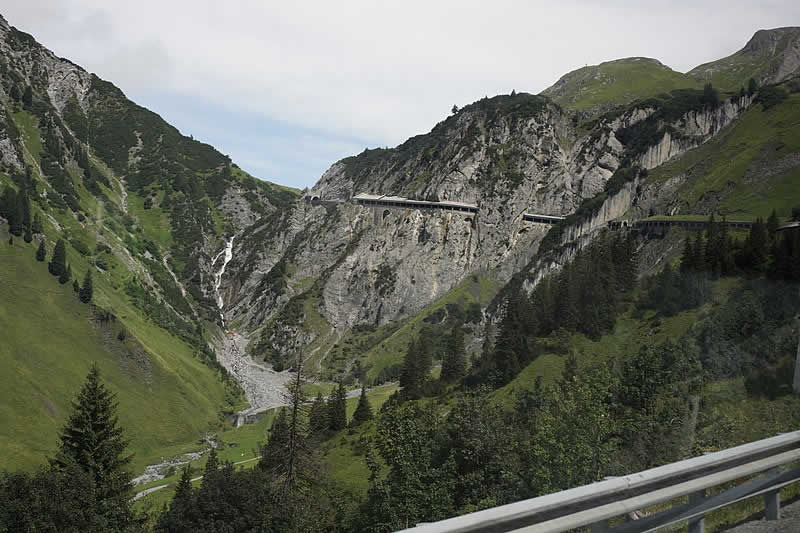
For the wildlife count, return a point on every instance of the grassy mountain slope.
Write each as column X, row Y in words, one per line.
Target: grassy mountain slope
column 49, row 342
column 770, row 56
column 749, row 169
column 615, row 83
column 145, row 209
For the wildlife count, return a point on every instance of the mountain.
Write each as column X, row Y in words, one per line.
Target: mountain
column 146, row 210
column 770, row 56
column 616, row 83
column 209, row 283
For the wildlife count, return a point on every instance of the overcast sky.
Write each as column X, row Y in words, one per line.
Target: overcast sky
column 287, row 88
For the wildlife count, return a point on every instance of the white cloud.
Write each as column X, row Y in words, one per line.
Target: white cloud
column 375, row 70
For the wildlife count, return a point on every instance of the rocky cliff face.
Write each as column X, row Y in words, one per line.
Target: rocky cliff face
column 336, row 265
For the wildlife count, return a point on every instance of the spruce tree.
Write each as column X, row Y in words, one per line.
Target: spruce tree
column 454, row 362
column 93, row 441
column 687, row 257
column 278, row 436
column 337, row 408
column 179, row 516
column 27, row 97
column 86, row 290
column 66, row 275
column 318, row 415
column 58, row 263
column 41, row 252
column 36, row 226
column 363, row 411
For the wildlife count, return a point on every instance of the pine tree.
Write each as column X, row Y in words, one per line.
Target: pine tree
column 58, row 263
column 86, row 291
column 93, row 441
column 28, row 236
column 76, row 287
column 454, row 362
column 687, row 257
column 273, row 451
column 66, row 275
column 16, row 216
column 337, row 409
column 36, row 226
column 41, row 252
column 363, row 411
column 752, row 87
column 179, row 516
column 27, row 97
column 318, row 416
column 296, row 450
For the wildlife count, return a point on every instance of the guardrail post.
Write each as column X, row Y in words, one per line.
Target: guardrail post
column 697, row 525
column 772, row 504
column 772, row 500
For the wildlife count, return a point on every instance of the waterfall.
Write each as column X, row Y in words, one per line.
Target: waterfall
column 228, row 255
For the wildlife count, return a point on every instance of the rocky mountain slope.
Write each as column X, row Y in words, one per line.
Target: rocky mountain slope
column 314, row 279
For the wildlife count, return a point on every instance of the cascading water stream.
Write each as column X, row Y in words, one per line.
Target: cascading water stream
column 228, row 255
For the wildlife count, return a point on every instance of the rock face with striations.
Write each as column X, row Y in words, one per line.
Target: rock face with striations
column 305, row 277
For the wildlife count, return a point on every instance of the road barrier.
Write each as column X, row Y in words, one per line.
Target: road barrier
column 770, row 460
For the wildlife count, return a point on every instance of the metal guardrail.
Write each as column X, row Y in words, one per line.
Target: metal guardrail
column 595, row 504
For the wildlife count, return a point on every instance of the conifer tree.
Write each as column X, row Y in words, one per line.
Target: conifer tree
column 66, row 275
column 687, row 257
column 337, row 408
column 86, row 290
column 36, row 225
column 27, row 97
column 179, row 516
column 296, row 448
column 454, row 362
column 41, row 252
column 363, row 411
column 58, row 263
column 76, row 287
column 318, row 415
column 28, row 236
column 772, row 225
column 278, row 436
column 93, row 441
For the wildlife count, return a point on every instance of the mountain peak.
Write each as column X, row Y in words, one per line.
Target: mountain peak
column 770, row 56
column 615, row 82
column 769, row 39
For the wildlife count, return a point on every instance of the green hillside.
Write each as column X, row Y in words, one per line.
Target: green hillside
column 761, row 59
column 749, row 169
column 615, row 83
column 50, row 340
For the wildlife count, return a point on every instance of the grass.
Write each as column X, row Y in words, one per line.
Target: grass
column 741, row 164
column 619, row 82
column 154, row 222
column 28, row 127
column 165, row 395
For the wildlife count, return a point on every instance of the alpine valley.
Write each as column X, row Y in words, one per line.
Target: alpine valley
column 471, row 275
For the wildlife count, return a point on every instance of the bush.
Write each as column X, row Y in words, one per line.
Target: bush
column 770, row 96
